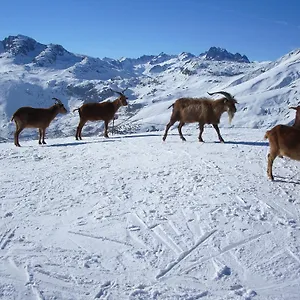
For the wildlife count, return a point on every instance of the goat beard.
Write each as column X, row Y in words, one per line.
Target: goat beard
column 230, row 116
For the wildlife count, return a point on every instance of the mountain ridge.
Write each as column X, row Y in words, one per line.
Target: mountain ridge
column 21, row 44
column 30, row 75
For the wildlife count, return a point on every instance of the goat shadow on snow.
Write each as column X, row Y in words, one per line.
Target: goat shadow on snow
column 106, row 140
column 261, row 144
column 67, row 144
column 135, row 136
column 78, row 143
column 280, row 179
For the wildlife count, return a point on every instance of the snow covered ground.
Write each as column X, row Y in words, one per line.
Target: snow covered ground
column 131, row 217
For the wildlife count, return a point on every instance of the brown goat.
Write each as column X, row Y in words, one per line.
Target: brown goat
column 284, row 141
column 104, row 111
column 202, row 111
column 29, row 117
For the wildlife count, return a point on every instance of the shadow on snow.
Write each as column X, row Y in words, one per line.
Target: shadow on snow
column 261, row 144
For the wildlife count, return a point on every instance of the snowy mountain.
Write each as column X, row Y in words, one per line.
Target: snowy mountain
column 33, row 73
column 216, row 53
column 135, row 218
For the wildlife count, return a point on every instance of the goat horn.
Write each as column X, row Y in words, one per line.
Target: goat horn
column 227, row 95
column 293, row 107
column 57, row 100
column 124, row 90
column 116, row 92
column 120, row 93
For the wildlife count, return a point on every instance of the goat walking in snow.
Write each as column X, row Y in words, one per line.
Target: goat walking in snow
column 202, row 111
column 29, row 117
column 284, row 141
column 104, row 111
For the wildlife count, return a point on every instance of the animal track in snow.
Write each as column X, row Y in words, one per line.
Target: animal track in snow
column 6, row 238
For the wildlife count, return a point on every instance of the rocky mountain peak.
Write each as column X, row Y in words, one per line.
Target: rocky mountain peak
column 19, row 44
column 216, row 53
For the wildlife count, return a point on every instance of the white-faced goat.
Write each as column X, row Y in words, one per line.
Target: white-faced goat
column 104, row 111
column 29, row 117
column 202, row 111
column 284, row 141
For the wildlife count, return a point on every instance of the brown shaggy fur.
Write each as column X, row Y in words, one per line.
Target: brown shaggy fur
column 284, row 141
column 29, row 117
column 104, row 111
column 202, row 111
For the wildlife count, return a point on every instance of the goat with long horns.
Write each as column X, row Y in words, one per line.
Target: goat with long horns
column 104, row 111
column 202, row 111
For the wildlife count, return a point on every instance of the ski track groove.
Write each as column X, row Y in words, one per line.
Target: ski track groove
column 183, row 255
column 99, row 238
column 166, row 240
column 280, row 213
column 224, row 250
column 162, row 237
column 293, row 255
column 172, row 225
column 187, row 221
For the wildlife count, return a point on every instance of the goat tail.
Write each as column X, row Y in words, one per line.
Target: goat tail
column 12, row 118
column 171, row 105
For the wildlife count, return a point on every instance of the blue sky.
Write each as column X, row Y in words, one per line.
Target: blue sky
column 260, row 29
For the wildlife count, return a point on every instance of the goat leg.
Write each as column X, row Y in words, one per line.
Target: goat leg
column 167, row 129
column 270, row 166
column 180, row 132
column 106, row 129
column 201, row 128
column 218, row 132
column 16, row 137
column 43, row 135
column 40, row 136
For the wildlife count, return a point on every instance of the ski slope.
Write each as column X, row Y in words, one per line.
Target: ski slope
column 132, row 217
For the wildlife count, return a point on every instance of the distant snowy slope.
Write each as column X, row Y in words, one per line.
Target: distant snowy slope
column 32, row 73
column 266, row 97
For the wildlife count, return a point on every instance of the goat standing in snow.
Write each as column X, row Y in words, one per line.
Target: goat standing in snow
column 29, row 117
column 284, row 141
column 202, row 111
column 104, row 111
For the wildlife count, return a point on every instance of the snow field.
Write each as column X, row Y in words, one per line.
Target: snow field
column 131, row 217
